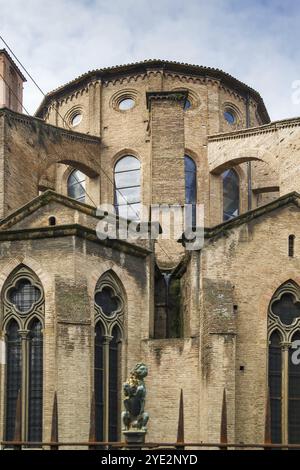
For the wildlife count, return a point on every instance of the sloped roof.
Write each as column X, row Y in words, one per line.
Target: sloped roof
column 221, row 230
column 143, row 66
column 4, row 51
column 283, row 201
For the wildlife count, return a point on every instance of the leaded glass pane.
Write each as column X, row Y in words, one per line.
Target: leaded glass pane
column 231, row 195
column 128, row 187
column 98, row 377
column 13, row 377
column 294, row 397
column 275, row 367
column 287, row 308
column 35, row 408
column 24, row 295
column 191, row 186
column 76, row 185
column 114, row 384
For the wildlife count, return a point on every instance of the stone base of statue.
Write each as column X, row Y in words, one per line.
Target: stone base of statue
column 135, row 437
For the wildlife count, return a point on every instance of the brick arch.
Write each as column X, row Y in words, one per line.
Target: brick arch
column 232, row 162
column 76, row 162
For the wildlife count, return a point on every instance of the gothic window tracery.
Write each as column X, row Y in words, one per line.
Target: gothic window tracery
column 284, row 372
column 22, row 319
column 109, row 323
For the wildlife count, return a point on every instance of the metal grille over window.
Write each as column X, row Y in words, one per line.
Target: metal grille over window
column 128, row 188
column 76, row 185
column 231, row 194
column 24, row 295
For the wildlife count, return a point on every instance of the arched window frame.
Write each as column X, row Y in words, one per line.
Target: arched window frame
column 120, row 198
column 189, row 188
column 287, row 333
column 80, row 178
column 238, row 205
column 110, row 324
column 24, row 320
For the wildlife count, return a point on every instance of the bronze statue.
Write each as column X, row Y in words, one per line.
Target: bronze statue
column 135, row 393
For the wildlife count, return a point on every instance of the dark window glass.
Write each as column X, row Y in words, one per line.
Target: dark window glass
column 76, row 186
column 114, row 384
column 187, row 105
column 287, row 309
column 35, row 418
column 190, row 186
column 231, row 195
column 294, row 396
column 107, row 300
column 275, row 366
column 229, row 117
column 13, row 376
column 98, row 374
column 291, row 245
column 128, row 187
column 24, row 295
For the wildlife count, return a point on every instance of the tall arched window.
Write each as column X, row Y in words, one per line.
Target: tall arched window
column 76, row 185
column 127, row 179
column 99, row 379
column 284, row 367
column 231, row 194
column 114, row 383
column 23, row 311
column 109, row 313
column 275, row 367
column 190, row 186
column 13, row 376
column 35, row 376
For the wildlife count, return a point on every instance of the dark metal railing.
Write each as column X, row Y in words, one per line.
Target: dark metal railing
column 92, row 444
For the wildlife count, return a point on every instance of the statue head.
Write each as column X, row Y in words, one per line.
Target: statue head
column 140, row 370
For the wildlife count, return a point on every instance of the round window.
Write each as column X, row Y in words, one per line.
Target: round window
column 76, row 119
column 229, row 117
column 126, row 104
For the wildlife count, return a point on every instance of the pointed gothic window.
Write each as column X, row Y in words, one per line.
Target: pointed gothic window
column 22, row 298
column 109, row 312
column 284, row 367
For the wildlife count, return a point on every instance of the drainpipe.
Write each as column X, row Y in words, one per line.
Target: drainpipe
column 249, row 169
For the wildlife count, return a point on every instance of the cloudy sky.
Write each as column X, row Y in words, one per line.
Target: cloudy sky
column 257, row 41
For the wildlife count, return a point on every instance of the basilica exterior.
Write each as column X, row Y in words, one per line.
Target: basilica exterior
column 79, row 311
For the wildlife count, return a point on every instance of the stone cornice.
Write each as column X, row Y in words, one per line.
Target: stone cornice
column 179, row 95
column 266, row 128
column 72, row 230
column 141, row 69
column 32, row 121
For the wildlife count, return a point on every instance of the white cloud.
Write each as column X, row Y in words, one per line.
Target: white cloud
column 254, row 41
